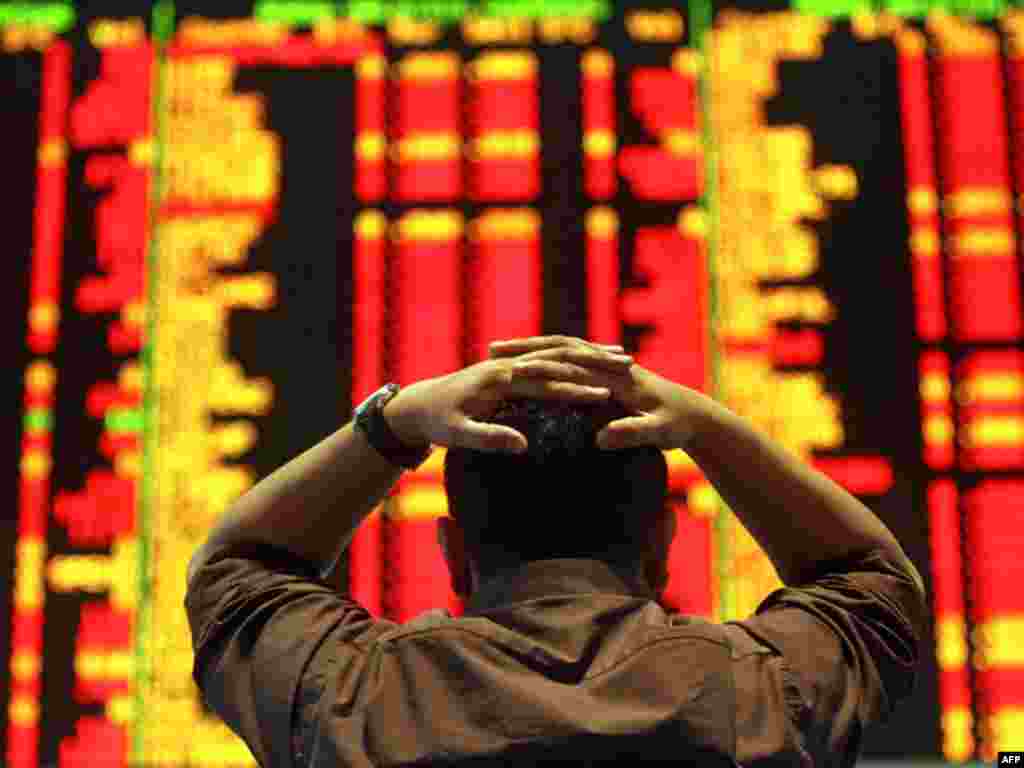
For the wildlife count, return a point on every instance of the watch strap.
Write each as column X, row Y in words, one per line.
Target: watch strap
column 370, row 419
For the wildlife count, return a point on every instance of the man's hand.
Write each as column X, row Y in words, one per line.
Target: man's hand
column 664, row 414
column 450, row 410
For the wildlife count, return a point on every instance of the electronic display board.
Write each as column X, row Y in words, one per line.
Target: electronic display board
column 230, row 230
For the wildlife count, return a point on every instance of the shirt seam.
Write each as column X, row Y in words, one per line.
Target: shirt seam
column 314, row 725
column 644, row 647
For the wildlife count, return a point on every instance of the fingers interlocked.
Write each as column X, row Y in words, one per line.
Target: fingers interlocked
column 512, row 347
column 579, row 371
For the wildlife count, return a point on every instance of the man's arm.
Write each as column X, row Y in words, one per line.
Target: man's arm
column 257, row 611
column 850, row 626
column 799, row 516
column 312, row 505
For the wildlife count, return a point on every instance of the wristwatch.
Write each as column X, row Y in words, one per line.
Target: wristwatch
column 369, row 417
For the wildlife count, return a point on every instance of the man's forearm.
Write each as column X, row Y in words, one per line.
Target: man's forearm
column 799, row 516
column 312, row 505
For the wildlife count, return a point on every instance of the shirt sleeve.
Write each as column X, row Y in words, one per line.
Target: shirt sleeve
column 257, row 615
column 850, row 635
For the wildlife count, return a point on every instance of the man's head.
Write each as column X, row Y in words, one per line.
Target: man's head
column 563, row 498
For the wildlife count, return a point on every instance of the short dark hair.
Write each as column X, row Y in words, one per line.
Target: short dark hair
column 564, row 497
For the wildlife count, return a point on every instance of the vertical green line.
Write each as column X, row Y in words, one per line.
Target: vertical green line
column 162, row 22
column 701, row 21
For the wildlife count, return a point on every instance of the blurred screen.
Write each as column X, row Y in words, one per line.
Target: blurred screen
column 230, row 229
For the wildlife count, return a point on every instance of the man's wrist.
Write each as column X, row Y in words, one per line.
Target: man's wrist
column 694, row 415
column 402, row 420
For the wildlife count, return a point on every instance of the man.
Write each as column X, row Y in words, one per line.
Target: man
column 563, row 654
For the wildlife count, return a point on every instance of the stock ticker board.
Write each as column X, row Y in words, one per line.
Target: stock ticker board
column 230, row 230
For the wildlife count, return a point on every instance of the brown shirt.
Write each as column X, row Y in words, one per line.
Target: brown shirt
column 565, row 661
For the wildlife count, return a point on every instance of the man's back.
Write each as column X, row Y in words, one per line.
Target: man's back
column 557, row 660
column 570, row 662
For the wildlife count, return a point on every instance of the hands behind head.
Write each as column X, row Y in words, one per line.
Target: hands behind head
column 452, row 410
column 664, row 411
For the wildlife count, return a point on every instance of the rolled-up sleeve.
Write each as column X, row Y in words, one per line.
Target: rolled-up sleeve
column 851, row 636
column 257, row 615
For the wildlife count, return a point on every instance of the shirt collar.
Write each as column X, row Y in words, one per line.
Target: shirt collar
column 563, row 576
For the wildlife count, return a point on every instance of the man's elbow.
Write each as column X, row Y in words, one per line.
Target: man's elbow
column 196, row 562
column 915, row 577
column 190, row 575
